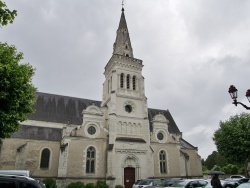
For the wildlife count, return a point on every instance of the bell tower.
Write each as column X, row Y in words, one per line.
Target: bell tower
column 126, row 112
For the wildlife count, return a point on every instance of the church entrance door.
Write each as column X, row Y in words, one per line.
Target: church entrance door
column 129, row 177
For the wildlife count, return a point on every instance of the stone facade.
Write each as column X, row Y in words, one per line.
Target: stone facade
column 117, row 140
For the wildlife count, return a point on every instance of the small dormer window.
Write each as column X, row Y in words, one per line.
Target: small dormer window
column 126, row 46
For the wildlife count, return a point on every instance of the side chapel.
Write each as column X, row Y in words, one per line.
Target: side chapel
column 117, row 140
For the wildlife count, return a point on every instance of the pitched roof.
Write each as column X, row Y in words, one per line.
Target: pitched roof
column 38, row 133
column 60, row 109
column 68, row 110
column 186, row 145
column 172, row 127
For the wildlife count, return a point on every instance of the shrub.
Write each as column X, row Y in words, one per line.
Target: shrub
column 90, row 185
column 76, row 185
column 49, row 182
column 242, row 170
column 119, row 186
column 101, row 184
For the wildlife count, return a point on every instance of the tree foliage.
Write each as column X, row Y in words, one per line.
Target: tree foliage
column 49, row 182
column 6, row 16
column 101, row 184
column 17, row 94
column 233, row 139
column 215, row 159
column 90, row 185
column 76, row 185
column 230, row 169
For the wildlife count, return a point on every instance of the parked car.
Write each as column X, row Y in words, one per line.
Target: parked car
column 235, row 177
column 11, row 181
column 149, row 182
column 235, row 182
column 243, row 180
column 169, row 182
column 16, row 172
column 231, row 184
column 156, row 184
column 136, row 184
column 244, row 185
column 190, row 183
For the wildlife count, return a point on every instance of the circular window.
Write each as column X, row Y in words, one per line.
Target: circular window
column 91, row 130
column 128, row 108
column 160, row 136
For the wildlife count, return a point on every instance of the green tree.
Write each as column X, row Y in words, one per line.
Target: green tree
column 204, row 169
column 215, row 159
column 6, row 16
column 17, row 94
column 233, row 139
column 230, row 169
column 216, row 168
column 202, row 162
column 211, row 161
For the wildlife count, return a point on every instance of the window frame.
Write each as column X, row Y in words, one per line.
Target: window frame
column 122, row 80
column 163, row 162
column 134, row 82
column 128, row 81
column 90, row 160
column 45, row 158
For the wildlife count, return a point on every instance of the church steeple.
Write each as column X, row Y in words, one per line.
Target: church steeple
column 122, row 45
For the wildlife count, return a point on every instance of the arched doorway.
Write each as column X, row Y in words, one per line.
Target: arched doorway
column 131, row 170
column 129, row 177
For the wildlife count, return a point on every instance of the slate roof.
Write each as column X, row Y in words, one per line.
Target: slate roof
column 38, row 133
column 186, row 144
column 60, row 109
column 172, row 128
column 64, row 109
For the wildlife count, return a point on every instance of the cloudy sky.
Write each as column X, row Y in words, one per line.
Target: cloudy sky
column 192, row 52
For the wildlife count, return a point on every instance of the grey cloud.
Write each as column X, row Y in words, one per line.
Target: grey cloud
column 192, row 52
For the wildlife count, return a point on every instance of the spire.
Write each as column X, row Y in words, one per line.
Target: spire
column 122, row 45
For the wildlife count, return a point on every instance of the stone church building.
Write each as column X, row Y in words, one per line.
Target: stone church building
column 117, row 140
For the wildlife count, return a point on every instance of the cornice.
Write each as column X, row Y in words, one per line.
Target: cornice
column 123, row 61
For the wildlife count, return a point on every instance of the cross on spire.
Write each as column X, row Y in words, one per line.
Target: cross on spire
column 122, row 5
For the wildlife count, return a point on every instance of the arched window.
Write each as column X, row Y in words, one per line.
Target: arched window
column 45, row 156
column 121, row 80
column 90, row 161
column 128, row 81
column 134, row 81
column 163, row 162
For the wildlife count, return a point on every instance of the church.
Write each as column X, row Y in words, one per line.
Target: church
column 117, row 140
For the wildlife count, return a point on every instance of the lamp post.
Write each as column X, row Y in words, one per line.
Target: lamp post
column 233, row 93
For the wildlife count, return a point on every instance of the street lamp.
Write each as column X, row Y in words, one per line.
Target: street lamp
column 233, row 93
